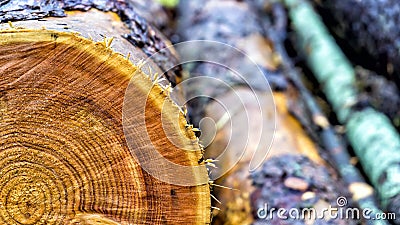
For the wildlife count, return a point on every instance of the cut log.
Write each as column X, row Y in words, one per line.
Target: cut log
column 64, row 156
column 242, row 128
column 370, row 29
column 367, row 130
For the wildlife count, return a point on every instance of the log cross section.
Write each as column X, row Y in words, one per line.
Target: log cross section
column 63, row 153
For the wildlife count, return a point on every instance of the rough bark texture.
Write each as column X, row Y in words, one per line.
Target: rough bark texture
column 141, row 34
column 370, row 27
column 376, row 91
column 240, row 24
column 64, row 156
column 294, row 181
column 366, row 129
column 235, row 23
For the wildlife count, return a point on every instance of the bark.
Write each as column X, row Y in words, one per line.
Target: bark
column 370, row 29
column 294, row 181
column 337, row 151
column 374, row 139
column 239, row 24
column 141, row 33
column 236, row 24
column 65, row 155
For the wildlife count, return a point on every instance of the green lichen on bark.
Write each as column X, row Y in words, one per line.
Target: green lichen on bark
column 371, row 133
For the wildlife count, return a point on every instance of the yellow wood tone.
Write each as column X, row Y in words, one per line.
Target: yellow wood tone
column 289, row 138
column 63, row 154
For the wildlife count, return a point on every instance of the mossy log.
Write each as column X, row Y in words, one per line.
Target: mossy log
column 373, row 138
column 64, row 156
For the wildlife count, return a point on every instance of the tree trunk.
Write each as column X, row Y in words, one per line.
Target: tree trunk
column 366, row 129
column 370, row 29
column 67, row 150
column 248, row 128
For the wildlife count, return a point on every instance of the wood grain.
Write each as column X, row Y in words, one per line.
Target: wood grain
column 63, row 154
